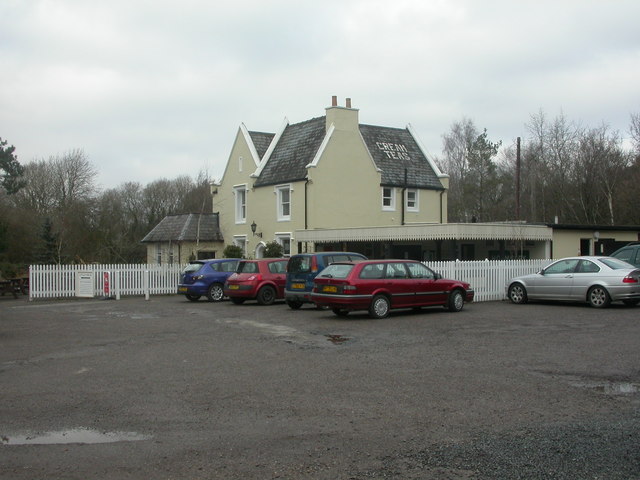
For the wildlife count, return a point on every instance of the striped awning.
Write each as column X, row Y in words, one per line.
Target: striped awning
column 436, row 231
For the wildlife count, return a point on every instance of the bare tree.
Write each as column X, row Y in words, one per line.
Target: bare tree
column 634, row 130
column 456, row 145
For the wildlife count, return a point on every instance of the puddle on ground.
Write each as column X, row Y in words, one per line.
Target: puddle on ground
column 337, row 339
column 77, row 435
column 611, row 388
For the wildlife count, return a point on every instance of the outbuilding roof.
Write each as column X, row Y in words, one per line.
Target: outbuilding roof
column 189, row 227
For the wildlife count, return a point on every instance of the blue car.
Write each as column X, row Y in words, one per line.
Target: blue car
column 206, row 277
column 303, row 268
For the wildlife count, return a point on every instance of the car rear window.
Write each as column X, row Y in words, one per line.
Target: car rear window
column 247, row 267
column 337, row 270
column 300, row 264
column 193, row 267
column 615, row 264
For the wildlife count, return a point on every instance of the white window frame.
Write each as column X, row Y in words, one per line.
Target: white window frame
column 416, row 200
column 282, row 238
column 240, row 193
column 241, row 241
column 392, row 199
column 282, row 217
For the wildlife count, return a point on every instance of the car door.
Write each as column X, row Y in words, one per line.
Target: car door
column 428, row 290
column 556, row 281
column 583, row 278
column 278, row 275
column 399, row 284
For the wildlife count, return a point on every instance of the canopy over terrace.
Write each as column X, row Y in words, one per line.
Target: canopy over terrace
column 464, row 241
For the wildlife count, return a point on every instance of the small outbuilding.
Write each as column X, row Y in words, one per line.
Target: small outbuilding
column 185, row 237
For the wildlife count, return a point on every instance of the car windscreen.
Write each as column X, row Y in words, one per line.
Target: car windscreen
column 337, row 270
column 616, row 264
column 193, row 267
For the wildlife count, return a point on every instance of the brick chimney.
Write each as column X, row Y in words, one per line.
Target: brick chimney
column 342, row 118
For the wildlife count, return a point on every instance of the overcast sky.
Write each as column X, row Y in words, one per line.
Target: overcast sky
column 155, row 89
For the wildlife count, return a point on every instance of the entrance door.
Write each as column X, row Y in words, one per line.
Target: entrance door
column 407, row 252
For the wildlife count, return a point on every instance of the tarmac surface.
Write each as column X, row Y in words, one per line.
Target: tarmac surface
column 172, row 389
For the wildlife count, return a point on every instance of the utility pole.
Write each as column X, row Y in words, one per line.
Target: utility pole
column 518, row 179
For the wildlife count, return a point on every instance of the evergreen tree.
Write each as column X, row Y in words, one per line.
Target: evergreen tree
column 10, row 169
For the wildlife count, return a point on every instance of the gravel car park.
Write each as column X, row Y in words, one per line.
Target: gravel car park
column 173, row 389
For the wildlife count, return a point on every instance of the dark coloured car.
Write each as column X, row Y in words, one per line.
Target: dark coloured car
column 629, row 253
column 595, row 280
column 303, row 268
column 382, row 285
column 262, row 280
column 206, row 278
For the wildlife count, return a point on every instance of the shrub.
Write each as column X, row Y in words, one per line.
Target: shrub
column 233, row 251
column 273, row 250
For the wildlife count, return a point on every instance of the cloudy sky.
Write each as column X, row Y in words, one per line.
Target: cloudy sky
column 154, row 89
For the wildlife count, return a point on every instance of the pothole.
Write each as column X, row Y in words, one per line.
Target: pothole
column 76, row 435
column 337, row 339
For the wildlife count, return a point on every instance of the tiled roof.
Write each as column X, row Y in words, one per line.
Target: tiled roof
column 193, row 227
column 261, row 141
column 394, row 150
column 295, row 150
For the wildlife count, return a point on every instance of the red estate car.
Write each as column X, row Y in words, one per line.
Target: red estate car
column 262, row 279
column 381, row 285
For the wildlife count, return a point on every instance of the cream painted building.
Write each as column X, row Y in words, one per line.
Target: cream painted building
column 332, row 183
column 329, row 172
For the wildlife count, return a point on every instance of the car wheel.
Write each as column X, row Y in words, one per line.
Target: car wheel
column 293, row 305
column 193, row 298
column 238, row 301
column 517, row 293
column 215, row 292
column 340, row 312
column 380, row 307
column 598, row 297
column 456, row 301
column 266, row 295
column 631, row 303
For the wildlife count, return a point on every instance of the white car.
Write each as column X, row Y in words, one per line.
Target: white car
column 596, row 280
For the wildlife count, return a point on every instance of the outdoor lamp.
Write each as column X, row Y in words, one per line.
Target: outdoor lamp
column 253, row 230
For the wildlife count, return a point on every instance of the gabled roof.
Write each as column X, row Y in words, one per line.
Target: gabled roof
column 393, row 151
column 261, row 141
column 295, row 149
column 190, row 227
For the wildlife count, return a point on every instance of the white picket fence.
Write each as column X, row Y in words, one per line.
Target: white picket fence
column 59, row 281
column 487, row 278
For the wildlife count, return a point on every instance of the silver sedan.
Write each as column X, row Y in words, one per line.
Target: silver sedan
column 596, row 280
